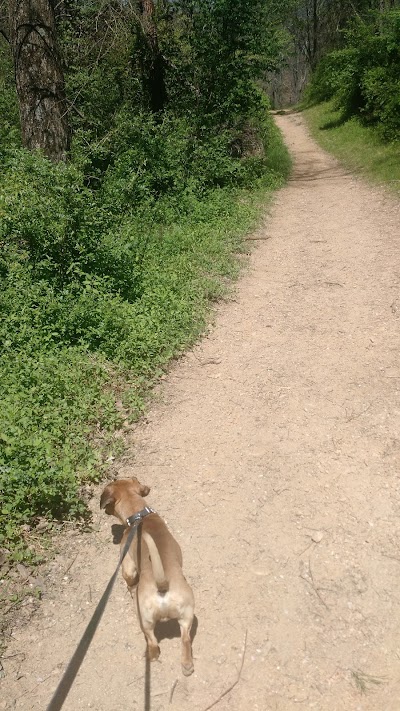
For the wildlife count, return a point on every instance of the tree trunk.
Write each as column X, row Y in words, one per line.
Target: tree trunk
column 39, row 78
column 152, row 63
column 315, row 35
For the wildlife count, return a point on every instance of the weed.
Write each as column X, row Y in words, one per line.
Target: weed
column 364, row 681
column 99, row 289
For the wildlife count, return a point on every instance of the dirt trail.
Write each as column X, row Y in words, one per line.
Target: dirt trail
column 273, row 454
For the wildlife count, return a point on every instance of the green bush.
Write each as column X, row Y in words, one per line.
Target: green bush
column 108, row 263
column 88, row 295
column 381, row 88
column 52, row 402
column 337, row 77
column 363, row 77
column 47, row 215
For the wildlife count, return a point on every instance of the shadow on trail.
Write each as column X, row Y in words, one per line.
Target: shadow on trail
column 117, row 530
column 147, row 684
column 313, row 171
column 170, row 629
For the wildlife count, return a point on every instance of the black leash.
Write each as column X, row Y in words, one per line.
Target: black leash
column 77, row 658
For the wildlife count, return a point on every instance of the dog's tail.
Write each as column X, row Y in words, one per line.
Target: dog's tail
column 156, row 563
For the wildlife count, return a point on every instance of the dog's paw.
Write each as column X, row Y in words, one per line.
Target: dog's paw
column 153, row 653
column 187, row 669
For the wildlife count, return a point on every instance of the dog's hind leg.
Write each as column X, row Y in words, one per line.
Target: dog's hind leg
column 153, row 650
column 147, row 624
column 185, row 623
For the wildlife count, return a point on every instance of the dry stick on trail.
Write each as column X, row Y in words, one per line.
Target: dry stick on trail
column 174, row 685
column 307, row 576
column 232, row 686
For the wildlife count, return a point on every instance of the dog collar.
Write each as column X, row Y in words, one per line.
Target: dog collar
column 138, row 517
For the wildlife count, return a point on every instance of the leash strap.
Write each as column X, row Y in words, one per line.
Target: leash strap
column 77, row 658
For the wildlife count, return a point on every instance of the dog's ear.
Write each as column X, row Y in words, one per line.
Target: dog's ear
column 140, row 489
column 107, row 499
column 144, row 490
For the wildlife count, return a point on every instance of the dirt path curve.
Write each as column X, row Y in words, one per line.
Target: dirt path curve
column 273, row 453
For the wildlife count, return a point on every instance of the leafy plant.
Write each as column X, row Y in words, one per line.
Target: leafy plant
column 363, row 77
column 109, row 262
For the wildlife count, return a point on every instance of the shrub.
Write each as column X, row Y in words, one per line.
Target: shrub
column 51, row 403
column 337, row 76
column 107, row 268
column 381, row 89
column 363, row 77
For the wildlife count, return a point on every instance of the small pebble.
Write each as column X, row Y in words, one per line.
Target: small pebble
column 317, row 537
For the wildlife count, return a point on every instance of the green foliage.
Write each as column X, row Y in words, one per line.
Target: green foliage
column 363, row 77
column 336, row 76
column 52, row 400
column 87, row 295
column 10, row 134
column 358, row 146
column 109, row 263
column 95, row 39
column 232, row 43
column 228, row 93
column 47, row 215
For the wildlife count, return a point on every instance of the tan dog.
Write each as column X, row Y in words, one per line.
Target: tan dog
column 152, row 567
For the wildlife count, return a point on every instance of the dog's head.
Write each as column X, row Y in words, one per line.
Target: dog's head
column 121, row 490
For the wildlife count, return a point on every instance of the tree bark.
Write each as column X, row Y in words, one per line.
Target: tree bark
column 152, row 63
column 4, row 21
column 39, row 78
column 315, row 32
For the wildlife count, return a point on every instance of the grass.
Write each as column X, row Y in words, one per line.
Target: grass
column 358, row 147
column 364, row 682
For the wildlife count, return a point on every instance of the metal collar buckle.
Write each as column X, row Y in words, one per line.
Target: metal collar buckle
column 136, row 518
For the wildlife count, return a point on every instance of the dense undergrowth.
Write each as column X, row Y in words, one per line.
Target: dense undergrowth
column 100, row 288
column 362, row 77
column 109, row 262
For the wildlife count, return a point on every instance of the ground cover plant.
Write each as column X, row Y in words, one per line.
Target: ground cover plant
column 357, row 146
column 119, row 227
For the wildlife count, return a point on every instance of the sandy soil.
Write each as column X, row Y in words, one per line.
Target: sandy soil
column 272, row 453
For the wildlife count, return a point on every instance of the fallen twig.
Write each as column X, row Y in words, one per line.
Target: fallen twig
column 68, row 568
column 29, row 691
column 354, row 416
column 174, row 685
column 257, row 239
column 278, row 492
column 392, row 557
column 310, row 581
column 17, row 654
column 312, row 543
column 232, row 686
